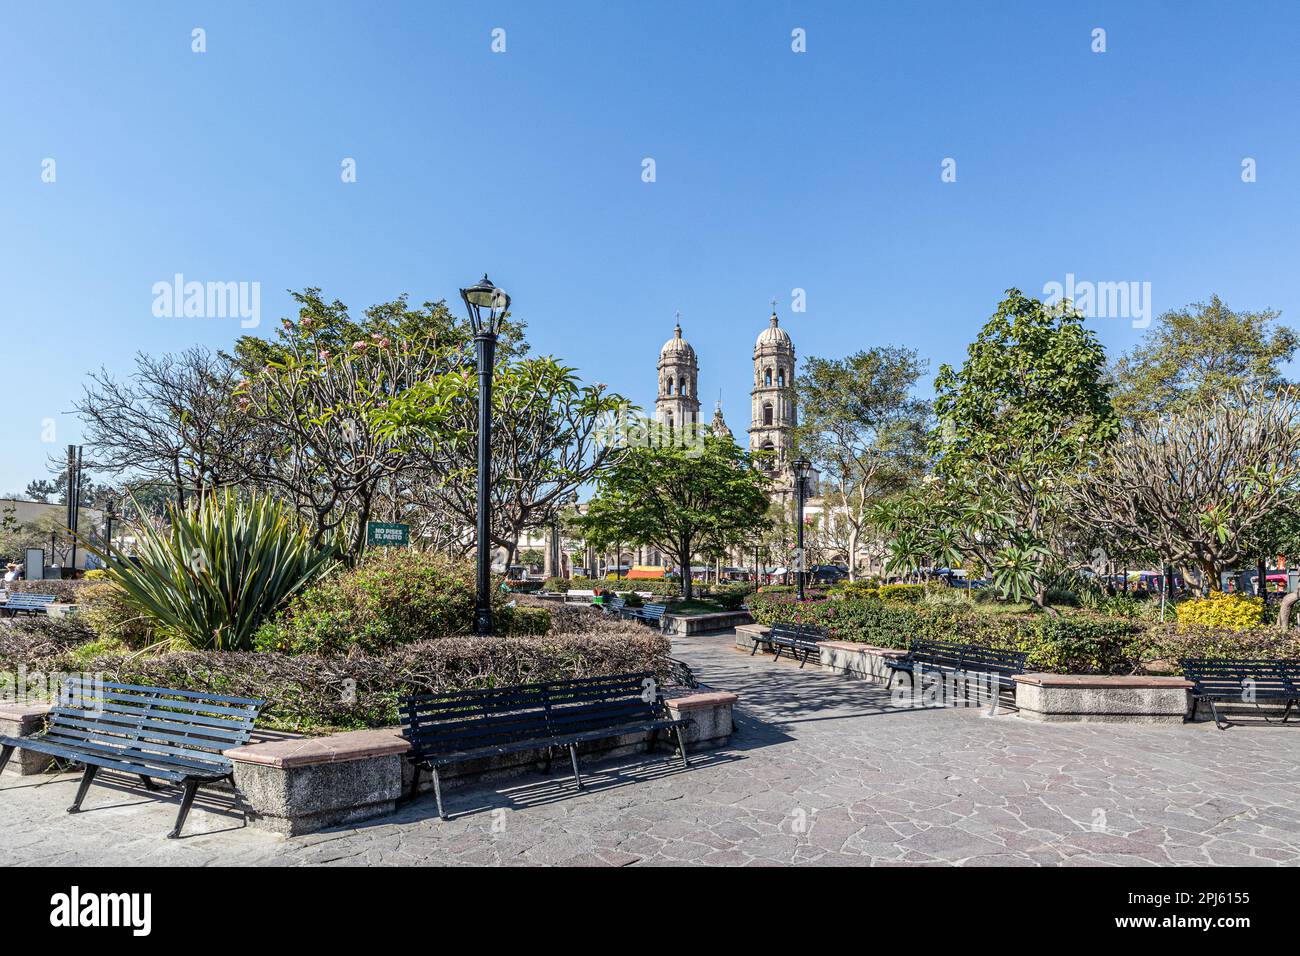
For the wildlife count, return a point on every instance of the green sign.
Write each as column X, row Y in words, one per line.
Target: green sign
column 382, row 534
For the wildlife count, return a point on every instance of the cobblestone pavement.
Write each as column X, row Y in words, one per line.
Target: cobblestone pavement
column 822, row 771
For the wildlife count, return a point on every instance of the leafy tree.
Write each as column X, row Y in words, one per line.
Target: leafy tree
column 683, row 492
column 1016, row 424
column 1195, row 354
column 312, row 408
column 548, row 440
column 863, row 428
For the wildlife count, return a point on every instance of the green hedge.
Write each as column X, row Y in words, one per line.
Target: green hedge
column 658, row 586
column 319, row 693
column 65, row 591
column 1074, row 644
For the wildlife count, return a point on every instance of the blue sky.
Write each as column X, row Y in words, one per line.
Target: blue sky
column 775, row 170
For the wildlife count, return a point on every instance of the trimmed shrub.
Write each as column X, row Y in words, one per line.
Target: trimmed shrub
column 391, row 598
column 728, row 600
column 39, row 643
column 65, row 592
column 309, row 693
column 1229, row 612
column 901, row 593
column 657, row 586
column 523, row 621
column 856, row 589
column 104, row 608
column 1074, row 644
column 1186, row 640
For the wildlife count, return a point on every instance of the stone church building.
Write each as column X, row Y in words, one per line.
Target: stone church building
column 773, row 417
column 773, row 412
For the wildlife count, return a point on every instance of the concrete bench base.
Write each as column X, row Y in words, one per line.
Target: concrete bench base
column 858, row 660
column 23, row 720
column 684, row 625
column 745, row 634
column 1085, row 698
column 302, row 785
column 299, row 786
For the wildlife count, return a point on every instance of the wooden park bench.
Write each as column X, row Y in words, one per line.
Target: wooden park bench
column 650, row 614
column 1238, row 681
column 445, row 729
column 614, row 605
column 796, row 638
column 26, row 602
column 962, row 660
column 154, row 733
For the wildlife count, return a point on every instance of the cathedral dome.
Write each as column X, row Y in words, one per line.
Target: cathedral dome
column 678, row 346
column 774, row 336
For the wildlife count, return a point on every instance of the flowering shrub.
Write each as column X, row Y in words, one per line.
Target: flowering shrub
column 1232, row 612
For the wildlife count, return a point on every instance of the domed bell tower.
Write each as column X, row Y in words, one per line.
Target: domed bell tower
column 773, row 400
column 678, row 403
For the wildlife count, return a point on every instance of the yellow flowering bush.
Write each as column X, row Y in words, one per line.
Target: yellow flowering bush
column 1233, row 612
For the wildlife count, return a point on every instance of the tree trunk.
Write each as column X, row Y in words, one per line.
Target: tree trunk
column 1284, row 610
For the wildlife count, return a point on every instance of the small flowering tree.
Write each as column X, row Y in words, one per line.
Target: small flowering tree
column 312, row 395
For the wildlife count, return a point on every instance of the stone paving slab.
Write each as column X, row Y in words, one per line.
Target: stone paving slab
column 824, row 770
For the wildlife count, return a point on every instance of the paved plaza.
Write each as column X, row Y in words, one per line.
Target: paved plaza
column 823, row 770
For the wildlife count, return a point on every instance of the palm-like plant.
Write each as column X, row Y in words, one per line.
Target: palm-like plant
column 1017, row 569
column 211, row 578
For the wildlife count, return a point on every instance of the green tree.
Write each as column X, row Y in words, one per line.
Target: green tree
column 683, row 492
column 1017, row 423
column 548, row 433
column 1196, row 354
column 862, row 427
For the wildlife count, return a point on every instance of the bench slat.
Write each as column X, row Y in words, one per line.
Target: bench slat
column 178, row 706
column 78, row 755
column 102, row 746
column 194, row 695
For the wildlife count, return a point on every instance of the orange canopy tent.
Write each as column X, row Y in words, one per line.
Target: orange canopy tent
column 644, row 571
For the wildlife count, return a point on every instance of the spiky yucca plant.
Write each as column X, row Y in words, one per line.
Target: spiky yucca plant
column 219, row 570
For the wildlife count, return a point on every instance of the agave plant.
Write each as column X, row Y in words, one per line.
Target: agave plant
column 218, row 571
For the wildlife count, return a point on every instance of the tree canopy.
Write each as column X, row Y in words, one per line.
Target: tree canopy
column 863, row 428
column 1196, row 354
column 683, row 492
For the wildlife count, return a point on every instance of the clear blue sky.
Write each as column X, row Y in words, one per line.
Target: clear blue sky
column 775, row 170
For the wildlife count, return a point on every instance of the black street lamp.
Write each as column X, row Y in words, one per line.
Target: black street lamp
column 802, row 469
column 109, row 515
column 487, row 306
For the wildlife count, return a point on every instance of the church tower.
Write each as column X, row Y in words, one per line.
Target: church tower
column 678, row 403
column 774, row 416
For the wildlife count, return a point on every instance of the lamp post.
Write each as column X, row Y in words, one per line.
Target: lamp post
column 487, row 306
column 109, row 515
column 802, row 469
